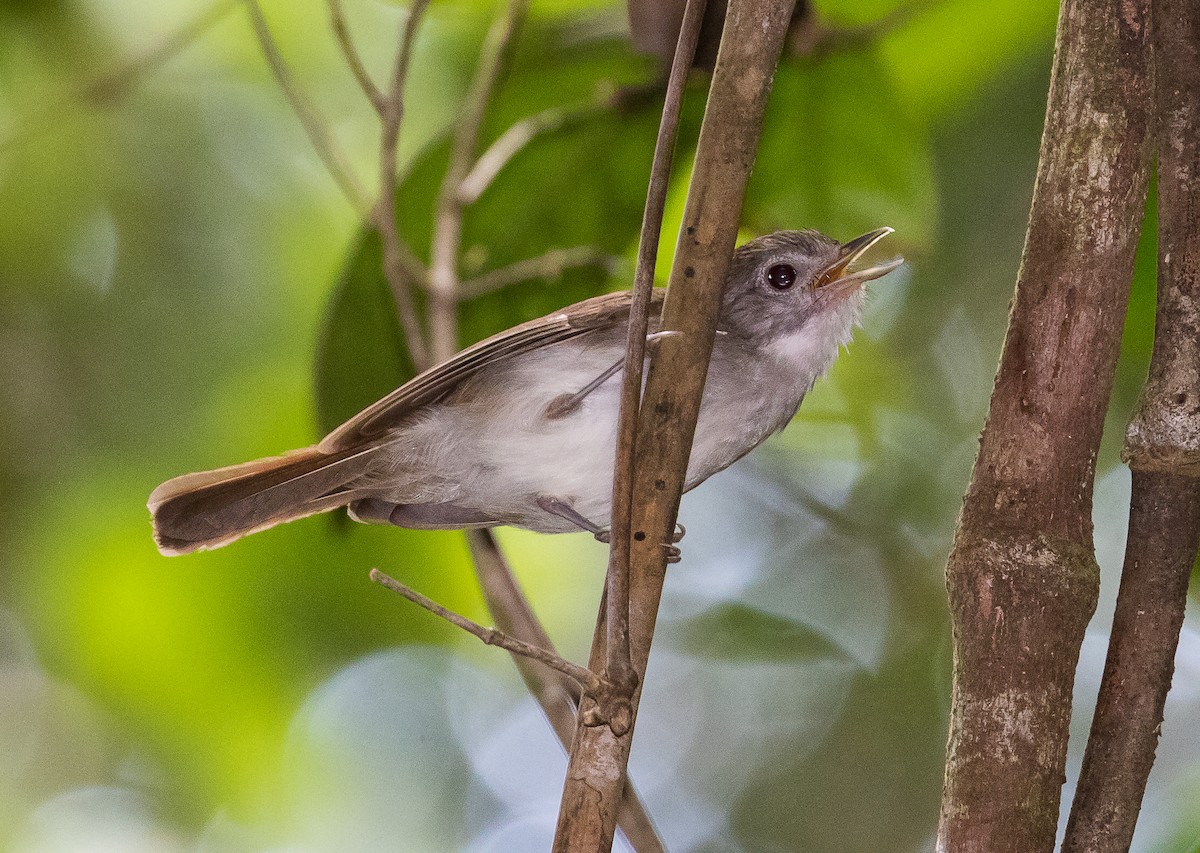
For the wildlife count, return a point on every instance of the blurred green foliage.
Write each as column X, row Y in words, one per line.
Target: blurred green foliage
column 183, row 287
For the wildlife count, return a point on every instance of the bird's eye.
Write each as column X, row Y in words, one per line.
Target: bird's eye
column 781, row 276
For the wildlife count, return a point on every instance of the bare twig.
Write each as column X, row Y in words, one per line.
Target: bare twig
column 310, row 118
column 618, row 665
column 400, row 268
column 115, row 84
column 550, row 265
column 341, row 30
column 443, row 272
column 111, row 86
column 1162, row 447
column 750, row 46
column 491, row 636
column 512, row 141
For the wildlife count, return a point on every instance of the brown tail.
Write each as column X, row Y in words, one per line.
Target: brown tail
column 213, row 508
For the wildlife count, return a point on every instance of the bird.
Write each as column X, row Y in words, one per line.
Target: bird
column 520, row 429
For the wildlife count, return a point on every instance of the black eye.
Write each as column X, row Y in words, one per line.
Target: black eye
column 781, row 276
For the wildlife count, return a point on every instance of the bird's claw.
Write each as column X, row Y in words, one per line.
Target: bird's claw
column 680, row 531
column 674, row 555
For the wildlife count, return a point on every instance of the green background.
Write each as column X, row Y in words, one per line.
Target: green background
column 182, row 286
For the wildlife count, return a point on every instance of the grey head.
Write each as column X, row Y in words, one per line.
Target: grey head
column 779, row 283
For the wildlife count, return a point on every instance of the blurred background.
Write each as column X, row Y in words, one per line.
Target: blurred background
column 183, row 286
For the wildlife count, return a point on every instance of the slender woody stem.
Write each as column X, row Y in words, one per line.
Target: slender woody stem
column 1022, row 576
column 313, row 122
column 1162, row 446
column 618, row 666
column 551, row 264
column 110, row 86
column 492, row 637
column 341, row 29
column 447, row 240
column 510, row 143
column 752, row 40
column 399, row 266
column 557, row 694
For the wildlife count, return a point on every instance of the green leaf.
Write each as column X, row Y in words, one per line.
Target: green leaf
column 361, row 353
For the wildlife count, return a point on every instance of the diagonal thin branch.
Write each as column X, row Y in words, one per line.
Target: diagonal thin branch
column 313, row 122
column 118, row 82
column 550, row 265
column 557, row 694
column 341, row 30
column 492, row 637
column 510, row 143
column 109, row 87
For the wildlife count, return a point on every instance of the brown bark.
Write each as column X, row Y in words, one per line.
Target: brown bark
column 750, row 47
column 1162, row 446
column 1022, row 577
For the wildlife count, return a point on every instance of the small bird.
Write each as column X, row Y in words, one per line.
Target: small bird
column 520, row 429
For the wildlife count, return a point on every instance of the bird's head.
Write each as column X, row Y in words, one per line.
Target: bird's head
column 781, row 283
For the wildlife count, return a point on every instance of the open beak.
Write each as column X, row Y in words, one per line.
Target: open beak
column 839, row 271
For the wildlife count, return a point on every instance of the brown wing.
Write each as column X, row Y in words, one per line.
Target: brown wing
column 582, row 318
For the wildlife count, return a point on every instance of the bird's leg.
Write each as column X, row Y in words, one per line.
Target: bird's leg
column 565, row 404
column 564, row 510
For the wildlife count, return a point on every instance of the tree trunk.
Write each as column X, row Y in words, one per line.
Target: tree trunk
column 1162, row 446
column 1022, row 576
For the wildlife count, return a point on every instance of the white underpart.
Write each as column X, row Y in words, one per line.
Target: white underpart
column 812, row 350
column 506, row 454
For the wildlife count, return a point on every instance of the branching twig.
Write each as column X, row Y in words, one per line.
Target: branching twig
column 550, row 265
column 555, row 690
column 585, row 677
column 1162, row 447
column 341, row 30
column 512, row 141
column 447, row 240
column 750, row 46
column 557, row 694
column 314, row 125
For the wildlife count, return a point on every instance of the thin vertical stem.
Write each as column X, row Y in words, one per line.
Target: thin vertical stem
column 751, row 42
column 618, row 666
column 447, row 240
column 397, row 265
